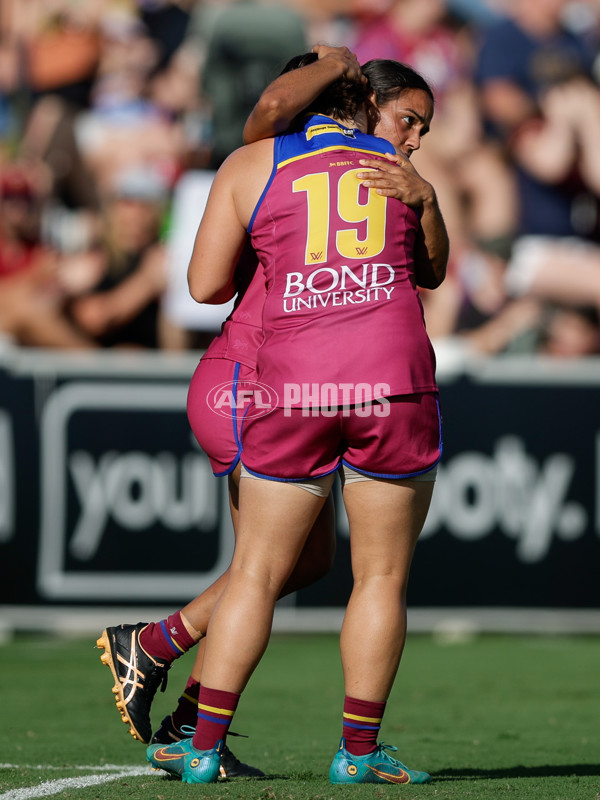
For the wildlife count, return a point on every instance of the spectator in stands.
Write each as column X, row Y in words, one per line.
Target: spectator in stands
column 540, row 99
column 121, row 306
column 13, row 102
column 528, row 65
column 90, row 90
column 166, row 22
column 31, row 298
column 60, row 42
column 570, row 332
column 477, row 314
column 62, row 48
column 124, row 126
column 247, row 42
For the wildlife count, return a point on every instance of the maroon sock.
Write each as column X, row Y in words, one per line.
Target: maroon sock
column 167, row 639
column 362, row 720
column 215, row 712
column 186, row 712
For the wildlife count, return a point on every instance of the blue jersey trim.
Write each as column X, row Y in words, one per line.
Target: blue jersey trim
column 299, row 144
column 302, row 143
column 263, row 193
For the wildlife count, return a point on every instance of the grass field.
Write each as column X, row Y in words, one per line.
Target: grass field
column 493, row 717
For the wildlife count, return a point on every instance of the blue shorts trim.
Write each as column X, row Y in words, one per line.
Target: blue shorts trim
column 234, row 422
column 291, row 480
column 407, row 475
column 392, row 477
column 229, row 469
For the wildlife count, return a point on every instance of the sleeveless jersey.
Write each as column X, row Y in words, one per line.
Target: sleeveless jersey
column 241, row 333
column 342, row 310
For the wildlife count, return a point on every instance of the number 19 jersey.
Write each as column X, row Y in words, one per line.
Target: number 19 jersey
column 342, row 307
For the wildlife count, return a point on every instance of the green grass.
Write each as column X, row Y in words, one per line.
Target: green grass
column 496, row 717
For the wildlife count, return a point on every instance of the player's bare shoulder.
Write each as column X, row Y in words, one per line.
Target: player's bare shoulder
column 248, row 170
column 256, row 154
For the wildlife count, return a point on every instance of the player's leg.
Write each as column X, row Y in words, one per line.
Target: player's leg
column 141, row 647
column 401, row 440
column 240, row 625
column 182, row 720
column 314, row 561
column 275, row 519
column 316, row 558
column 221, row 438
column 185, row 714
column 139, row 656
column 139, row 667
column 385, row 520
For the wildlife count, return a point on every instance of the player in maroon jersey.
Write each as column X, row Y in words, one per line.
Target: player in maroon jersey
column 313, row 228
column 242, row 344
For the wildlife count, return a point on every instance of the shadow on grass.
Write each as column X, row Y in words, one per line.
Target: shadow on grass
column 554, row 771
column 238, row 779
column 566, row 770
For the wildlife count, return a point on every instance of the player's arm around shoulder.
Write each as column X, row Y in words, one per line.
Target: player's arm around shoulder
column 293, row 91
column 221, row 234
column 432, row 248
column 396, row 177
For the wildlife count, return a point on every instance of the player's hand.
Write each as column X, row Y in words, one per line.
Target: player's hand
column 397, row 178
column 348, row 62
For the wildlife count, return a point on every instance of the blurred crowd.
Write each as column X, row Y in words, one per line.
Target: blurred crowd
column 106, row 106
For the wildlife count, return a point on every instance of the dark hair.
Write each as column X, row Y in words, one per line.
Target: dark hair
column 389, row 79
column 342, row 99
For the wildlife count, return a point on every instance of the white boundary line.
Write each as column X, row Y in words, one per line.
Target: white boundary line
column 82, row 767
column 48, row 788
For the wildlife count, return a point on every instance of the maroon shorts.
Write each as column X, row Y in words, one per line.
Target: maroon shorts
column 216, row 405
column 400, row 439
